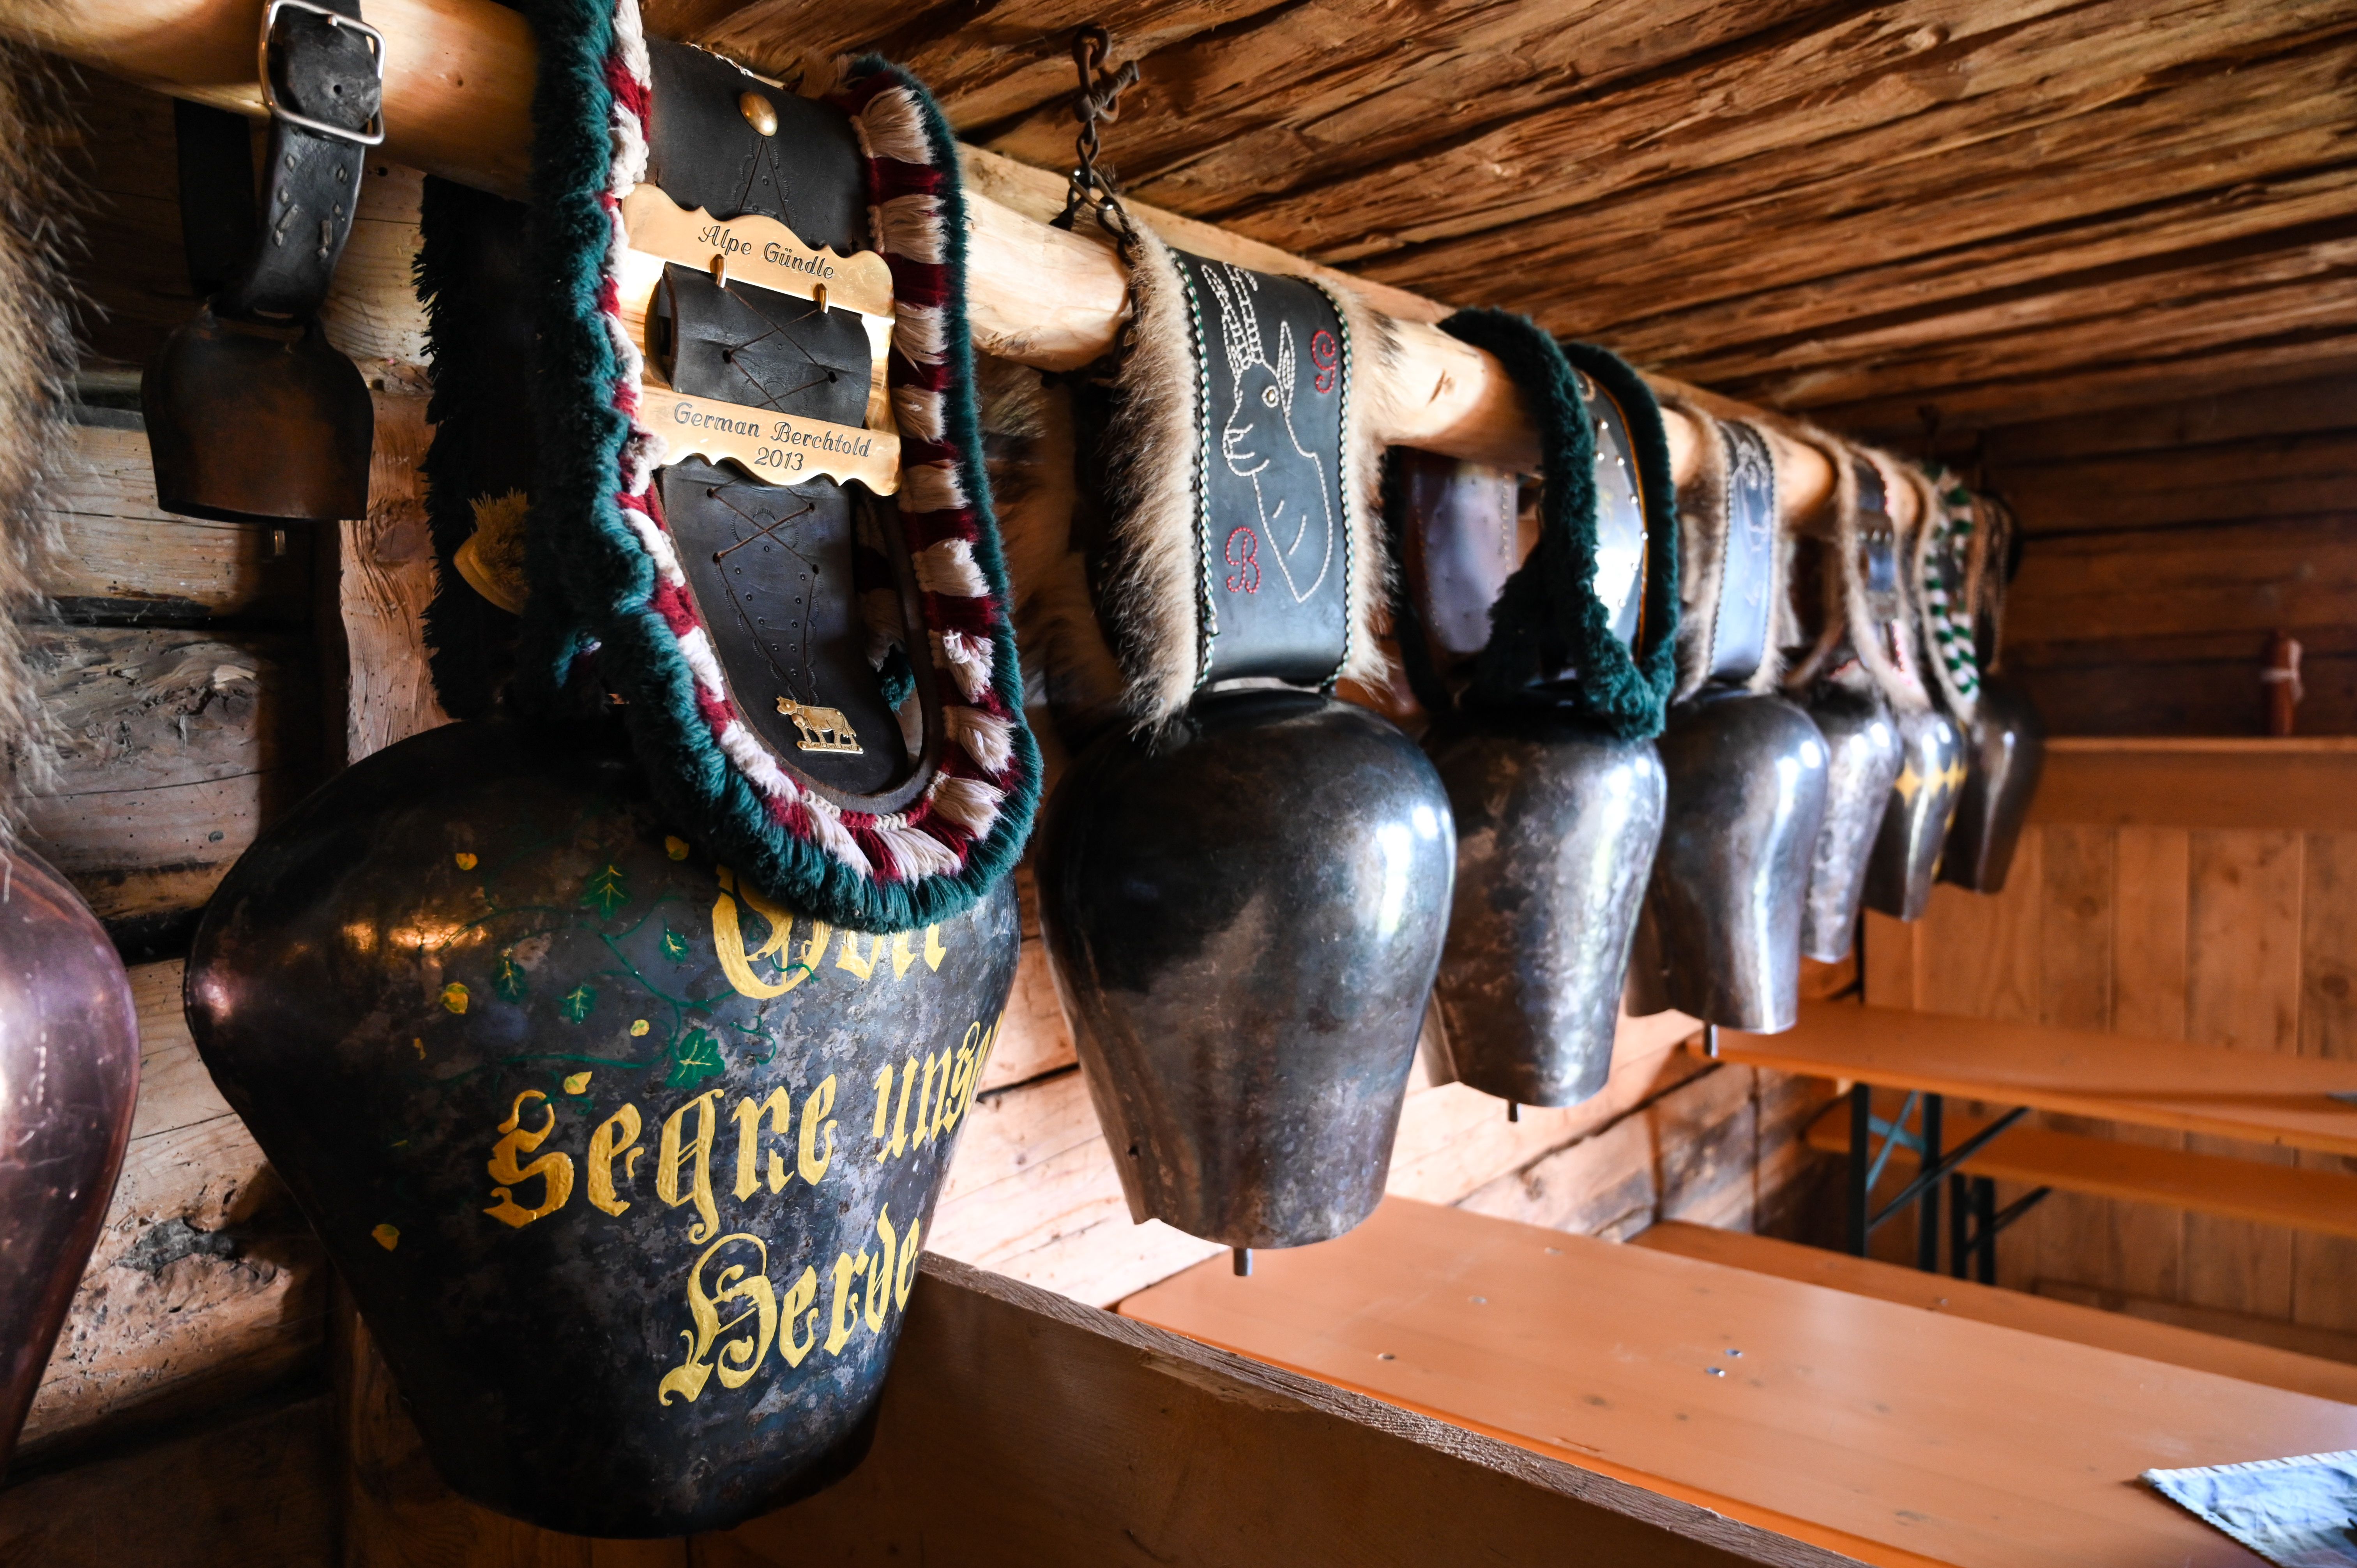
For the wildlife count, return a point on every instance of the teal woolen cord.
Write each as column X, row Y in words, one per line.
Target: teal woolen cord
column 1548, row 618
column 599, row 613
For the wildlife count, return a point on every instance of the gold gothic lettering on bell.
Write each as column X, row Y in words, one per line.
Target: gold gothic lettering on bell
column 717, row 1163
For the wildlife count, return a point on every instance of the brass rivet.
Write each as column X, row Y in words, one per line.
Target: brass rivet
column 759, row 111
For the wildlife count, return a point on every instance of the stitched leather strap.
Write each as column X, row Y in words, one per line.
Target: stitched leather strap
column 1740, row 630
column 704, row 151
column 1273, row 364
column 775, row 570
column 759, row 348
column 284, row 256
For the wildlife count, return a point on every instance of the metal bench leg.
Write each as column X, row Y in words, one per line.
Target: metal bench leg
column 1961, row 1242
column 1984, row 1205
column 1861, row 1165
column 1927, row 1210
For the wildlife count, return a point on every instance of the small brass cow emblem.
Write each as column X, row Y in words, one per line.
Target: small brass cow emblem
column 824, row 729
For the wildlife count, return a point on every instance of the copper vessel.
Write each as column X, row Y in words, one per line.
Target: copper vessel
column 69, row 1080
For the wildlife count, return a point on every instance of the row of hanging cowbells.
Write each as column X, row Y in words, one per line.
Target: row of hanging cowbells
column 615, row 1037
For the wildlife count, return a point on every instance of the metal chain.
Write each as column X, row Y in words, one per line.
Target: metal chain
column 1098, row 100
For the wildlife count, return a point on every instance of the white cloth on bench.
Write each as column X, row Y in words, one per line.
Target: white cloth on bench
column 2295, row 1513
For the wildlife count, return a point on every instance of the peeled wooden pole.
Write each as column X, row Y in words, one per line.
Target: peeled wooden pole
column 457, row 98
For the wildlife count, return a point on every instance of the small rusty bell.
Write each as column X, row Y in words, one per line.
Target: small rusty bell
column 1862, row 758
column 1921, row 805
column 1746, row 801
column 69, row 1078
column 1244, row 918
column 2006, row 752
column 248, row 421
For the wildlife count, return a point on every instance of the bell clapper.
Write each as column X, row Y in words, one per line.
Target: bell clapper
column 1243, row 1262
column 1513, row 1110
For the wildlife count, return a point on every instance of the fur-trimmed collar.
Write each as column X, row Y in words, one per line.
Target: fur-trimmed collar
column 1147, row 569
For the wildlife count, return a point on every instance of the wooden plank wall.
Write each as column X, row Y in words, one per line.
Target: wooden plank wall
column 208, row 674
column 2245, row 939
column 2166, row 543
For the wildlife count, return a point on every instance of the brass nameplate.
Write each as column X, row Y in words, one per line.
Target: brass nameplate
column 760, row 251
column 783, row 449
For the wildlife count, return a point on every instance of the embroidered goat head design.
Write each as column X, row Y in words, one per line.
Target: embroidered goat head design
column 1257, row 439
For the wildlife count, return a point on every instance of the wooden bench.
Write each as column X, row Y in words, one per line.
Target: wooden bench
column 2257, row 1096
column 2324, row 1201
column 2299, row 1102
column 2278, row 1368
column 1893, row 1435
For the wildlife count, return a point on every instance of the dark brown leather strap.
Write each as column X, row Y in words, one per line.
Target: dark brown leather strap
column 759, row 348
column 324, row 81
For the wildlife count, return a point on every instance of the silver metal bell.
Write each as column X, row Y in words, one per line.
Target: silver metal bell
column 2006, row 752
column 1861, row 763
column 1243, row 919
column 1746, row 801
column 1922, row 802
column 1557, row 827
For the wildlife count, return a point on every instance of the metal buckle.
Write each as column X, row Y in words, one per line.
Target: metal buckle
column 368, row 135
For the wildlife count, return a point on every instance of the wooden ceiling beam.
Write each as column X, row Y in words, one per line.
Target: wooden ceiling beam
column 2200, row 226
column 2095, row 389
column 1235, row 109
column 2053, row 328
column 1894, row 194
column 458, row 93
column 2169, row 330
column 1931, row 80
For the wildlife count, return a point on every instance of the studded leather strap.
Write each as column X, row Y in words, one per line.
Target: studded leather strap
column 275, row 265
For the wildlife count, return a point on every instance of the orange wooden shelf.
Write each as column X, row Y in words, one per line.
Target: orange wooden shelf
column 2227, row 1357
column 2257, row 1096
column 1898, row 1436
column 2293, row 1195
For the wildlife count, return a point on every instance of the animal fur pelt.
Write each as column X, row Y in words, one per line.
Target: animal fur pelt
column 1146, row 586
column 1885, row 646
column 1705, row 524
column 1028, row 442
column 37, row 360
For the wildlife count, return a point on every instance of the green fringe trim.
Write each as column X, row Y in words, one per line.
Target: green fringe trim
column 1548, row 618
